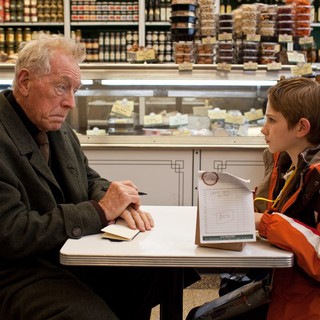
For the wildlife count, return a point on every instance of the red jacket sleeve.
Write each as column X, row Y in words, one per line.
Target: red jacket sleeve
column 292, row 235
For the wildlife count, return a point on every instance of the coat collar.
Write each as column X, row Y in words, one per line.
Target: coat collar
column 26, row 145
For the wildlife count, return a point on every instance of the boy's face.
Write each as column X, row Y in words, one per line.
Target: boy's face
column 276, row 132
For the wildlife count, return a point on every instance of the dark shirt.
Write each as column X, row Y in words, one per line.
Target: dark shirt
column 33, row 130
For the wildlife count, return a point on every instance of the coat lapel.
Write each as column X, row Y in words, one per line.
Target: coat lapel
column 24, row 141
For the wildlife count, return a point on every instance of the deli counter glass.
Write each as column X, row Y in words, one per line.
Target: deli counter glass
column 160, row 104
column 143, row 104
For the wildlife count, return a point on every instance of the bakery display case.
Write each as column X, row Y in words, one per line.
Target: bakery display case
column 151, row 104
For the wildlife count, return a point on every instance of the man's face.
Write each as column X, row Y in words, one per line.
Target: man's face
column 50, row 97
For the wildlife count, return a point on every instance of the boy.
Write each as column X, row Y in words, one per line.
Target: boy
column 289, row 196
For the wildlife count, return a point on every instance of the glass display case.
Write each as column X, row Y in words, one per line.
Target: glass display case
column 161, row 104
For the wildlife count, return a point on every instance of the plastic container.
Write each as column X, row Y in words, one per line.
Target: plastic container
column 302, row 9
column 267, row 59
column 207, row 31
column 184, row 48
column 205, row 59
column 268, row 31
column 226, row 30
column 303, row 24
column 226, row 16
column 268, row 46
column 268, row 53
column 205, row 49
column 250, row 59
column 265, row 9
column 225, row 53
column 207, row 15
column 302, row 16
column 289, row 24
column 246, row 30
column 285, row 17
column 186, row 19
column 285, row 10
column 225, row 45
column 250, row 45
column 268, row 17
column 225, row 23
column 183, row 7
column 180, row 33
column 228, row 60
column 301, row 32
column 289, row 32
column 184, row 57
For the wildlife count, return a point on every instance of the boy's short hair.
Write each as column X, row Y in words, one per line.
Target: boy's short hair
column 298, row 98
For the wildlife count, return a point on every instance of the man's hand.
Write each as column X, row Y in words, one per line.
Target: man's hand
column 119, row 196
column 137, row 219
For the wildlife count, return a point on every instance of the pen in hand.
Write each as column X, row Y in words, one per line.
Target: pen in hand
column 140, row 193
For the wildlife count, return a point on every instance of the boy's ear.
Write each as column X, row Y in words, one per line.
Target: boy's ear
column 303, row 127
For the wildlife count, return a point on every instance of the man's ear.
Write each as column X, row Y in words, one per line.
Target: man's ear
column 23, row 81
column 303, row 127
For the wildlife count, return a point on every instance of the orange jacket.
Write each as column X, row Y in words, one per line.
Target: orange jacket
column 294, row 225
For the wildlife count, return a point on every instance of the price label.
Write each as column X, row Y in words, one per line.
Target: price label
column 274, row 66
column 178, row 120
column 150, row 54
column 215, row 114
column 185, row 66
column 146, row 54
column 253, row 37
column 254, row 115
column 183, row 2
column 235, row 119
column 250, row 65
column 209, row 40
column 153, row 119
column 296, row 57
column 306, row 40
column 285, row 38
column 224, row 66
column 225, row 36
column 301, row 69
column 123, row 108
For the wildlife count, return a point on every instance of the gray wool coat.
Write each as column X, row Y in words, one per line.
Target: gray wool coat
column 36, row 217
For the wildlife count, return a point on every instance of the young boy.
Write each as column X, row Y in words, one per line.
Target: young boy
column 289, row 196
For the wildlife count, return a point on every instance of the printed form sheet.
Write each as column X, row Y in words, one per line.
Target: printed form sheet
column 226, row 209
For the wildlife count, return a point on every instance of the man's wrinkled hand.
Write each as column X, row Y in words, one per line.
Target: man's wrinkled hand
column 119, row 196
column 138, row 219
